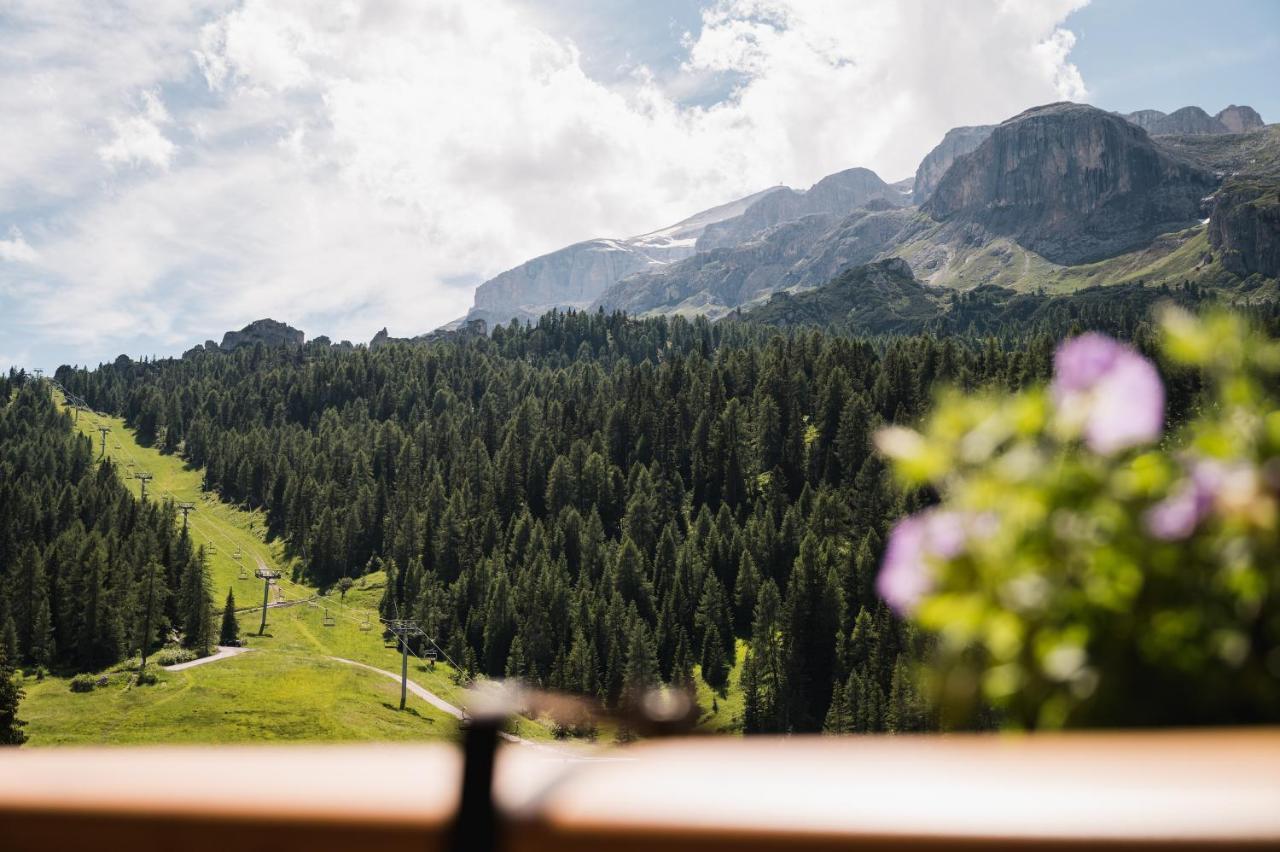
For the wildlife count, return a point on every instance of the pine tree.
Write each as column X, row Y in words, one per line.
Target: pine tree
column 10, row 696
column 152, row 596
column 839, row 717
column 229, row 633
column 715, row 669
column 9, row 639
column 196, row 605
column 641, row 670
column 751, row 721
column 42, row 641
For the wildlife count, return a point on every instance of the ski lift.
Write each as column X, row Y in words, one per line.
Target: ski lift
column 118, row 445
column 366, row 624
column 236, row 555
column 430, row 656
column 244, row 575
column 329, row 620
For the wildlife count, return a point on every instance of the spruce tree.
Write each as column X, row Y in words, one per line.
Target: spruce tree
column 229, row 633
column 715, row 669
column 641, row 670
column 10, row 696
column 42, row 642
column 751, row 722
column 839, row 717
column 196, row 605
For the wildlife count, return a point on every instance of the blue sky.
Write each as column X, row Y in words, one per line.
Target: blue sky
column 1144, row 55
column 181, row 169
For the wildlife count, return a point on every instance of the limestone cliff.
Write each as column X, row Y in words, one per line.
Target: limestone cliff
column 1072, row 183
column 958, row 142
column 268, row 332
column 1245, row 227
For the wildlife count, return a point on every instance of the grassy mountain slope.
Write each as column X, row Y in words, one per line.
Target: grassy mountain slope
column 286, row 688
column 941, row 260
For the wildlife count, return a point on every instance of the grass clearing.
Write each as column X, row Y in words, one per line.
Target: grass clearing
column 287, row 688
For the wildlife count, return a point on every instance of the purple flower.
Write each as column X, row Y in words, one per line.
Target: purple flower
column 1177, row 516
column 1114, row 392
column 914, row 542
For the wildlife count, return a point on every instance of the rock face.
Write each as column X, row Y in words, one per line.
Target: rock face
column 1147, row 119
column 1193, row 121
column 801, row 253
column 575, row 276
column 265, row 331
column 958, row 142
column 582, row 274
column 1072, row 183
column 1245, row 227
column 1188, row 121
column 569, row 277
column 1238, row 119
column 835, row 195
column 465, row 329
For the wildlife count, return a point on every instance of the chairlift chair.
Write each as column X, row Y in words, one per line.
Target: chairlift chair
column 244, row 575
column 366, row 624
column 329, row 620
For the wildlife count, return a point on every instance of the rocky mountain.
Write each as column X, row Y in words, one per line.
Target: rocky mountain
column 1071, row 183
column 575, row 276
column 796, row 254
column 834, row 195
column 467, row 328
column 1033, row 201
column 268, row 332
column 1245, row 226
column 1193, row 121
column 957, row 142
column 1238, row 119
column 1250, row 152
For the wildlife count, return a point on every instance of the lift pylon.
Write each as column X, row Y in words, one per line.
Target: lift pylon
column 266, row 575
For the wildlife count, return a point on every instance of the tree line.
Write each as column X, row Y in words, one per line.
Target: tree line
column 595, row 503
column 84, row 565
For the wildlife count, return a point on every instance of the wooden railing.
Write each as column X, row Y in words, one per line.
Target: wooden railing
column 1141, row 790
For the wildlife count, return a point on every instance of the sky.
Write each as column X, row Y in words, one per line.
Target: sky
column 172, row 171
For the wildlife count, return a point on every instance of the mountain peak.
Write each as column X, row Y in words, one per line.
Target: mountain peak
column 1072, row 183
column 266, row 331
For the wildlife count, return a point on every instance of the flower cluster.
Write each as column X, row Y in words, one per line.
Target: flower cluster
column 1085, row 565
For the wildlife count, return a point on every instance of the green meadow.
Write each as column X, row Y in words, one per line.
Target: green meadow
column 286, row 687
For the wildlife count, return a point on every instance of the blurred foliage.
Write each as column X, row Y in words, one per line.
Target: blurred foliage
column 1070, row 587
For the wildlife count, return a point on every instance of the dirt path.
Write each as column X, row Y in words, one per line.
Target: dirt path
column 457, row 713
column 224, row 652
column 427, row 696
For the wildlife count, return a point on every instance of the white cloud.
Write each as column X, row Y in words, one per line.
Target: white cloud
column 15, row 249
column 349, row 165
column 138, row 138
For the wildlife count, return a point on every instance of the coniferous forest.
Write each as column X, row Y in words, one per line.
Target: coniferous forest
column 88, row 570
column 593, row 503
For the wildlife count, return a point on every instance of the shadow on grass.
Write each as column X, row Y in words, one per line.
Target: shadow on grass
column 396, row 709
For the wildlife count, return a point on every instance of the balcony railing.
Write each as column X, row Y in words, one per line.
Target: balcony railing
column 1123, row 790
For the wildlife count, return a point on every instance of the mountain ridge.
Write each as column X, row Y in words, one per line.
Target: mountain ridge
column 1088, row 187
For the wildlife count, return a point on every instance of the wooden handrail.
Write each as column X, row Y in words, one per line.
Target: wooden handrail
column 1118, row 790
